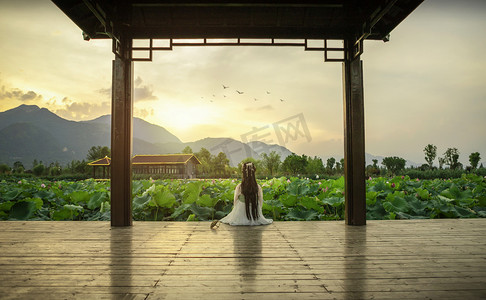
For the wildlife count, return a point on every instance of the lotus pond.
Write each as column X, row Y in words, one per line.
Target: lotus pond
column 292, row 199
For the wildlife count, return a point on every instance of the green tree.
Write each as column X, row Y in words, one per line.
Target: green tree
column 4, row 168
column 77, row 167
column 451, row 158
column 18, row 167
column 375, row 163
column 187, row 150
column 373, row 170
column 55, row 169
column 441, row 162
column 430, row 154
column 330, row 164
column 204, row 157
column 474, row 159
column 97, row 152
column 219, row 164
column 314, row 166
column 39, row 169
column 271, row 162
column 294, row 164
column 394, row 164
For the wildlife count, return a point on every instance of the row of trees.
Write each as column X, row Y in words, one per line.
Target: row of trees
column 450, row 158
column 79, row 168
column 269, row 165
column 396, row 165
column 295, row 165
column 211, row 165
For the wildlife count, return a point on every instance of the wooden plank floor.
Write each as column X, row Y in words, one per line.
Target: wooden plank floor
column 423, row 259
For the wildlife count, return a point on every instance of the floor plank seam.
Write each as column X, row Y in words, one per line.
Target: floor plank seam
column 306, row 265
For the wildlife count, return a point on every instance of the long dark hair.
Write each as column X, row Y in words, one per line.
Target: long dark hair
column 249, row 188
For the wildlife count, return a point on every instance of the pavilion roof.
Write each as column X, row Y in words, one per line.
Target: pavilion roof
column 219, row 19
column 105, row 161
column 164, row 159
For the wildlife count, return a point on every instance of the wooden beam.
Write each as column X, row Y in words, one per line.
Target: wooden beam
column 354, row 138
column 121, row 139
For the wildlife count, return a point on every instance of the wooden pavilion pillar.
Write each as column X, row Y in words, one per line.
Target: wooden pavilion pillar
column 121, row 136
column 354, row 137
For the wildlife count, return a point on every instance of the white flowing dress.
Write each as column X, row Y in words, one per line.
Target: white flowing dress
column 238, row 215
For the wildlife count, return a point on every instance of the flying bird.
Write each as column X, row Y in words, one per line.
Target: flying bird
column 255, row 99
column 239, row 92
column 225, row 87
column 282, row 100
column 268, row 92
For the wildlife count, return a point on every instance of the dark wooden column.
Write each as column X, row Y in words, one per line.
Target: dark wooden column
column 121, row 137
column 354, row 137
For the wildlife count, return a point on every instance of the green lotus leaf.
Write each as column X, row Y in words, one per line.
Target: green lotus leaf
column 137, row 187
column 180, row 210
column 423, row 193
column 23, row 210
column 68, row 211
column 5, row 206
column 371, row 197
column 207, row 201
column 202, row 213
column 334, row 201
column 139, row 202
column 12, row 194
column 417, row 207
column 80, row 196
column 288, row 200
column 311, row 203
column 163, row 198
column 396, row 203
column 96, row 199
column 300, row 214
column 338, row 183
column 192, row 191
column 298, row 188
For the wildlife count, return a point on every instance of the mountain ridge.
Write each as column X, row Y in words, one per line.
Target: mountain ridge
column 28, row 128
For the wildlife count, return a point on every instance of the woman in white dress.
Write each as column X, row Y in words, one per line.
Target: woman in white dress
column 248, row 201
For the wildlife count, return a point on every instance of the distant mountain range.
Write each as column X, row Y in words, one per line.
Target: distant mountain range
column 28, row 132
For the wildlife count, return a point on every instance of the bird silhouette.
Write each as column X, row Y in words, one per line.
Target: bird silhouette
column 255, row 99
column 239, row 92
column 282, row 100
column 225, row 87
column 268, row 92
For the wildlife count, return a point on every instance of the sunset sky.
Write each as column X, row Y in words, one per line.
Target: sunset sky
column 425, row 86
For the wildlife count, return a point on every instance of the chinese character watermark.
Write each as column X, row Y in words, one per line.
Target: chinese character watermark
column 255, row 141
column 292, row 128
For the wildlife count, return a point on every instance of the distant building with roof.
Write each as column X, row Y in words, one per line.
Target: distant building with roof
column 172, row 165
column 183, row 166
